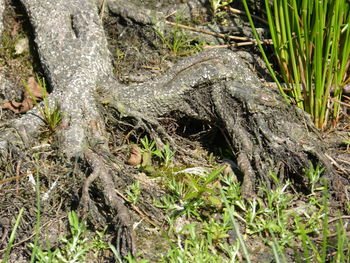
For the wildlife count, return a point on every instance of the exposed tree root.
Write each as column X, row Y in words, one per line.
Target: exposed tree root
column 217, row 88
column 101, row 169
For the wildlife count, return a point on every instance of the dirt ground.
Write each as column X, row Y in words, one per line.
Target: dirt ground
column 140, row 53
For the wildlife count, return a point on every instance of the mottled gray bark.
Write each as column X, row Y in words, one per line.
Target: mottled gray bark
column 73, row 52
column 130, row 9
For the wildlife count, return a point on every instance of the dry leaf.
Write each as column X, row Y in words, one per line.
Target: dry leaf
column 27, row 103
column 135, row 156
column 34, row 88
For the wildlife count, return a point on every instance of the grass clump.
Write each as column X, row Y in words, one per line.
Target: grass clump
column 217, row 4
column 209, row 220
column 76, row 248
column 199, row 231
column 311, row 41
column 51, row 115
column 177, row 42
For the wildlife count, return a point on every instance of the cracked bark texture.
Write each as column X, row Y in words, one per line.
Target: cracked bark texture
column 215, row 87
column 130, row 9
column 74, row 55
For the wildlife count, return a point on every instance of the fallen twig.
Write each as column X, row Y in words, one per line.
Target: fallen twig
column 102, row 9
column 33, row 234
column 335, row 163
column 248, row 41
column 208, row 32
column 338, row 218
column 16, row 177
column 236, row 11
column 138, row 210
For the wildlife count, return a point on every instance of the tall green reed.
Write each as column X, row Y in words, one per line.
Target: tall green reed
column 311, row 40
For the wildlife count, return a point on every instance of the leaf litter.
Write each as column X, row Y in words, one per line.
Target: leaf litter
column 31, row 96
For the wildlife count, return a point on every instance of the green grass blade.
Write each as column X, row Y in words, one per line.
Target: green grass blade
column 37, row 224
column 325, row 223
column 275, row 30
column 12, row 236
column 304, row 240
column 287, row 17
column 236, row 229
column 263, row 52
column 277, row 251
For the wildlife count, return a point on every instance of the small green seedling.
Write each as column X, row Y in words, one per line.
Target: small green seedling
column 190, row 192
column 166, row 155
column 149, row 150
column 133, row 192
column 347, row 142
column 99, row 243
column 177, row 42
column 215, row 231
column 75, row 248
column 313, row 175
column 148, row 147
column 217, row 4
column 135, row 259
column 51, row 116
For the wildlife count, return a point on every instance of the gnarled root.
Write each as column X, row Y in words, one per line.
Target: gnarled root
column 101, row 169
